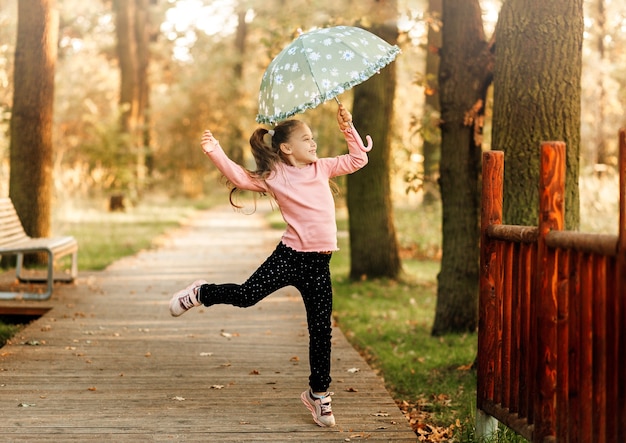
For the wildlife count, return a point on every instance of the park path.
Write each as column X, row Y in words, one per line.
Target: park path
column 108, row 362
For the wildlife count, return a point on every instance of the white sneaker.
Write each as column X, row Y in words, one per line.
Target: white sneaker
column 186, row 299
column 320, row 408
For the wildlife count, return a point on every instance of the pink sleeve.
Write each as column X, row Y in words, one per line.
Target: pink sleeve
column 354, row 160
column 235, row 173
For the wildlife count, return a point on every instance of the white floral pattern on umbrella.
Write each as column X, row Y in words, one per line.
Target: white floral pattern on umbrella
column 318, row 66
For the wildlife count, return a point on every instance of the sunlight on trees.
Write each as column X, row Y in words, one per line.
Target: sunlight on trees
column 194, row 57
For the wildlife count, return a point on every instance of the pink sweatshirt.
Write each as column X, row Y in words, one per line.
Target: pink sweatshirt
column 303, row 194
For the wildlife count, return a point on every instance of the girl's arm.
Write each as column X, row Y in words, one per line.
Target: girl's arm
column 237, row 175
column 357, row 151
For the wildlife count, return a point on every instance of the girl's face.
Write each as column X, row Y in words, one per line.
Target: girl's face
column 300, row 149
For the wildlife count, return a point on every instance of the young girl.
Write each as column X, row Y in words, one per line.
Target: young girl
column 289, row 170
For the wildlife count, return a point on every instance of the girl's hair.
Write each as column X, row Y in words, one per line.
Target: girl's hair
column 266, row 148
column 266, row 151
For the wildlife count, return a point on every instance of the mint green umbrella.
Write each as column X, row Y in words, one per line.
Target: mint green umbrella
column 318, row 66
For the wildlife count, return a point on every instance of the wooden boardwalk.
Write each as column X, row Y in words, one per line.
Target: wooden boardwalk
column 108, row 362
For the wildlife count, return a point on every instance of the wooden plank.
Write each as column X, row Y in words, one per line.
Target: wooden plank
column 506, row 324
column 109, row 362
column 491, row 214
column 563, row 346
column 621, row 288
column 551, row 210
column 599, row 349
column 576, row 307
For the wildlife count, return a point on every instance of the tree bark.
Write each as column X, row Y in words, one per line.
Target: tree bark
column 373, row 244
column 464, row 76
column 31, row 149
column 537, row 90
column 432, row 140
column 132, row 31
column 236, row 152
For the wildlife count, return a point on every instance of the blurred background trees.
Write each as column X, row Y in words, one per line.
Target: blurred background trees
column 137, row 81
column 206, row 59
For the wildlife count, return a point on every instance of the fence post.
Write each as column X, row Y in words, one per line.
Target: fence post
column 621, row 286
column 551, row 217
column 491, row 213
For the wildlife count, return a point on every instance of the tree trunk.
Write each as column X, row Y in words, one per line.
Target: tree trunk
column 31, row 150
column 373, row 244
column 236, row 152
column 464, row 75
column 143, row 31
column 598, row 34
column 537, row 93
column 132, row 31
column 432, row 141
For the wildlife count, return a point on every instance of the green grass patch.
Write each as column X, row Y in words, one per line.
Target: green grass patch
column 390, row 323
column 7, row 331
column 104, row 237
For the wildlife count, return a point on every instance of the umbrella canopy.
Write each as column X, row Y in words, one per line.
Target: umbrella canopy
column 318, row 66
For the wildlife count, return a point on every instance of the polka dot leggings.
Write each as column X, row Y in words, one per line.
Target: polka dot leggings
column 309, row 272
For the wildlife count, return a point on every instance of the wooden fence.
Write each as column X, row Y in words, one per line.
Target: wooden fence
column 552, row 326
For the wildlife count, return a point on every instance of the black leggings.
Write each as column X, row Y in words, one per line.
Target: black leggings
column 309, row 272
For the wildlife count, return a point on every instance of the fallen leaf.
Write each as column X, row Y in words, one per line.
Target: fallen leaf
column 25, row 405
column 353, row 370
column 148, row 354
column 177, row 398
column 294, row 359
column 254, row 372
column 206, row 354
column 217, row 387
column 351, row 390
column 92, row 388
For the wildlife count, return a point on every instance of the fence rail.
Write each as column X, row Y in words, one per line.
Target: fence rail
column 552, row 314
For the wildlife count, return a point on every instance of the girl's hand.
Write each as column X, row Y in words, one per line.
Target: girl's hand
column 208, row 142
column 344, row 118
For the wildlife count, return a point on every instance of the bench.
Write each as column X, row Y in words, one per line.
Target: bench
column 14, row 241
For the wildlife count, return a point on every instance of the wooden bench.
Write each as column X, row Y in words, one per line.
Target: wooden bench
column 14, row 241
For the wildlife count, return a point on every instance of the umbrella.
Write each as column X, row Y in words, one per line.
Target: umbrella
column 318, row 66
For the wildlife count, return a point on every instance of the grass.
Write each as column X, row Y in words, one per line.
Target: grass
column 8, row 330
column 390, row 323
column 108, row 236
